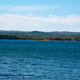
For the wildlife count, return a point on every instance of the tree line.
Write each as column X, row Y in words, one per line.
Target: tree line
column 40, row 34
column 69, row 38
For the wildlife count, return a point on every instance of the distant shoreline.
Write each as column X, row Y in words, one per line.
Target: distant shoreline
column 39, row 40
column 40, row 36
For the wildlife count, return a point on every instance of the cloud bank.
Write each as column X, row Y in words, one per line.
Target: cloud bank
column 30, row 23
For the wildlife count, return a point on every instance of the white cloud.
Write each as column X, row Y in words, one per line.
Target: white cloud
column 29, row 23
column 29, row 14
column 34, row 7
column 53, row 16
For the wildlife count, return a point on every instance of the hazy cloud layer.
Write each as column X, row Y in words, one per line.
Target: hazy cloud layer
column 29, row 23
column 34, row 7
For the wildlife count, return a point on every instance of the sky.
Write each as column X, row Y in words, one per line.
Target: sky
column 40, row 15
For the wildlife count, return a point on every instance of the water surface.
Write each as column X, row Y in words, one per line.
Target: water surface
column 39, row 60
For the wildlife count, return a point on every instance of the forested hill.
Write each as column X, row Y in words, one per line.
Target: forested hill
column 39, row 34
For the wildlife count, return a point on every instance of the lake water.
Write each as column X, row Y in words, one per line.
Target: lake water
column 39, row 60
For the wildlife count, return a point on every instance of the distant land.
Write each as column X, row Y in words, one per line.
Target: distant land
column 39, row 35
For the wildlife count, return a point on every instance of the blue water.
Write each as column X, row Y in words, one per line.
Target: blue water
column 39, row 60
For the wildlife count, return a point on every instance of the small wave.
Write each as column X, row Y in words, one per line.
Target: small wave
column 16, row 75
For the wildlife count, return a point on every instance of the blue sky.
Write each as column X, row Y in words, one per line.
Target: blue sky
column 42, row 15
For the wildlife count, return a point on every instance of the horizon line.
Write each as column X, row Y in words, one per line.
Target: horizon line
column 37, row 31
